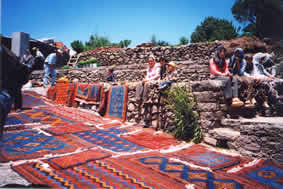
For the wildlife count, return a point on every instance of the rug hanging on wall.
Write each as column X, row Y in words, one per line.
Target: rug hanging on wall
column 202, row 156
column 61, row 93
column 71, row 94
column 94, row 92
column 265, row 174
column 30, row 144
column 117, row 102
column 51, row 93
column 82, row 90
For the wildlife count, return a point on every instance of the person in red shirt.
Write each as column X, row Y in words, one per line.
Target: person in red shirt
column 219, row 70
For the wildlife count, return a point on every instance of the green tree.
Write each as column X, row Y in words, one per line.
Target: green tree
column 159, row 42
column 96, row 41
column 77, row 46
column 153, row 40
column 183, row 41
column 125, row 43
column 212, row 29
column 257, row 15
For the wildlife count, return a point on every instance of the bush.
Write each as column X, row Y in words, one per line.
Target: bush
column 90, row 61
column 180, row 101
column 65, row 67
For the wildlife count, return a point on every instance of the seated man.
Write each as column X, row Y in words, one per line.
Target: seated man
column 219, row 70
column 143, row 90
column 170, row 77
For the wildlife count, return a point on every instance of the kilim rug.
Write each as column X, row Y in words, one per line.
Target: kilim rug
column 61, row 93
column 265, row 172
column 183, row 173
column 94, row 92
column 117, row 102
column 108, row 141
column 76, row 115
column 149, row 140
column 95, row 174
column 82, row 90
column 200, row 155
column 31, row 101
column 61, row 130
column 71, row 94
column 30, row 144
column 120, row 130
column 65, row 162
column 51, row 93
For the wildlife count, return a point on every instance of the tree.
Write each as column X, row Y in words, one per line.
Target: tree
column 77, row 46
column 183, row 41
column 153, row 40
column 259, row 16
column 96, row 41
column 125, row 43
column 159, row 42
column 212, row 29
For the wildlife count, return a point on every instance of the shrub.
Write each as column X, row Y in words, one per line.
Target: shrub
column 90, row 61
column 65, row 67
column 180, row 101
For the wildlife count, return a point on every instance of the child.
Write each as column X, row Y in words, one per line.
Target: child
column 110, row 75
column 171, row 75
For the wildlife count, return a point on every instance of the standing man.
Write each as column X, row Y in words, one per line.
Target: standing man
column 49, row 67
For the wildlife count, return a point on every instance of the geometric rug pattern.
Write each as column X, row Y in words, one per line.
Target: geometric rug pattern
column 86, row 150
column 30, row 144
column 108, row 141
column 200, row 155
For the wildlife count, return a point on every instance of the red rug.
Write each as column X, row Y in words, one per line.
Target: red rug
column 51, row 93
column 147, row 139
column 82, row 90
column 202, row 156
column 117, row 102
column 65, row 129
column 108, row 173
column 265, row 174
column 31, row 144
column 61, row 93
column 65, row 162
column 71, row 94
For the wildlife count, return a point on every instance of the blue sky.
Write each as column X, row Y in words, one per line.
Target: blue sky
column 69, row 20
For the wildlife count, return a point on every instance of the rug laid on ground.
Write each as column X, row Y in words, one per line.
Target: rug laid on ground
column 65, row 162
column 202, row 156
column 265, row 172
column 120, row 130
column 117, row 102
column 148, row 139
column 31, row 101
column 94, row 174
column 65, row 129
column 187, row 174
column 30, row 144
column 108, row 141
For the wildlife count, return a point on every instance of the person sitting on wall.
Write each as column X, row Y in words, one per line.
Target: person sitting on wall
column 219, row 70
column 171, row 76
column 49, row 68
column 110, row 75
column 163, row 62
column 143, row 89
column 265, row 84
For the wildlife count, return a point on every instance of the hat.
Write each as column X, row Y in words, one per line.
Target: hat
column 172, row 64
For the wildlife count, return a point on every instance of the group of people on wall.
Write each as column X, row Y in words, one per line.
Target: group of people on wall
column 260, row 86
column 247, row 72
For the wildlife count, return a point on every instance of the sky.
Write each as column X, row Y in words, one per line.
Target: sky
column 136, row 20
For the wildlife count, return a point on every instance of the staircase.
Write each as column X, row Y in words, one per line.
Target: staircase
column 74, row 60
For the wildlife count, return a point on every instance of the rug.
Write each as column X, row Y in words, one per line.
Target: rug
column 30, row 144
column 76, row 115
column 65, row 129
column 51, row 93
column 61, row 93
column 265, row 172
column 31, row 101
column 65, row 162
column 94, row 174
column 201, row 156
column 120, row 130
column 71, row 94
column 82, row 90
column 149, row 140
column 94, row 92
column 108, row 141
column 186, row 174
column 117, row 102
